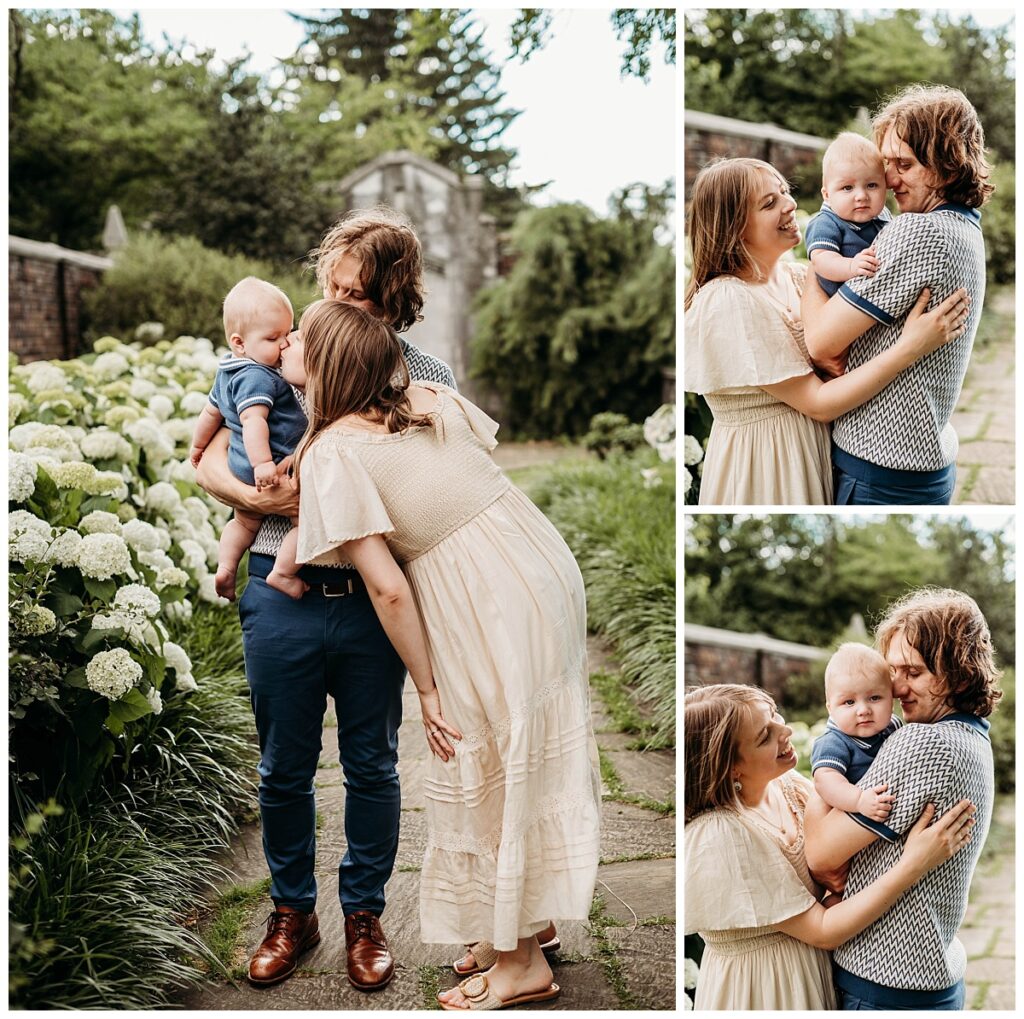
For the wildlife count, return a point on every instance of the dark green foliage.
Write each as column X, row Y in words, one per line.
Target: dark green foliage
column 802, row 578
column 642, row 27
column 998, row 220
column 623, row 536
column 585, row 320
column 1003, row 734
column 101, row 891
column 180, row 283
column 609, row 431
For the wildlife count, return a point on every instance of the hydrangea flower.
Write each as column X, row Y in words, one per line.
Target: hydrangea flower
column 141, row 389
column 21, row 522
column 105, row 343
column 43, row 375
column 100, row 522
column 163, row 498
column 73, row 474
column 102, row 556
column 19, row 435
column 64, row 549
column 149, row 332
column 107, row 483
column 161, row 407
column 56, row 439
column 692, row 451
column 27, row 547
column 137, row 600
column 660, row 431
column 179, row 611
column 118, row 417
column 35, row 621
column 145, row 537
column 178, row 430
column 148, row 433
column 208, row 590
column 179, row 470
column 155, row 702
column 176, row 657
column 193, row 403
column 110, row 365
column 21, row 476
column 155, row 559
column 112, row 673
column 16, row 406
column 104, row 444
column 186, row 683
column 171, row 576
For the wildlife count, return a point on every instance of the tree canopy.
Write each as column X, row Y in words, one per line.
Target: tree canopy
column 802, row 578
column 812, row 70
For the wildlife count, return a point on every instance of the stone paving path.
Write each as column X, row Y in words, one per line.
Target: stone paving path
column 624, row 958
column 987, row 932
column 984, row 417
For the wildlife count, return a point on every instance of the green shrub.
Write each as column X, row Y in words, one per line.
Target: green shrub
column 999, row 226
column 622, row 532
column 179, row 283
column 610, row 431
column 1004, row 743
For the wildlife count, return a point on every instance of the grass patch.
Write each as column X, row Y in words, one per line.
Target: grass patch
column 618, row 792
column 620, row 705
column 224, row 931
column 611, row 967
column 430, row 986
column 637, row 857
column 623, row 537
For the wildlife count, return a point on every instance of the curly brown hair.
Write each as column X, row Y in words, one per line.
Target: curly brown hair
column 942, row 128
column 712, row 716
column 386, row 245
column 948, row 631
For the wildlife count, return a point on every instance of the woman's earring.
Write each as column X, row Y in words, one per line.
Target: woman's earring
column 738, row 786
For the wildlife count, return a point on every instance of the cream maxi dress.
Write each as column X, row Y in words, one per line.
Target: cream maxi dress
column 741, row 878
column 738, row 338
column 513, row 819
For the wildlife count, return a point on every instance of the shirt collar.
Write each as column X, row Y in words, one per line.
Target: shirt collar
column 971, row 215
column 981, row 725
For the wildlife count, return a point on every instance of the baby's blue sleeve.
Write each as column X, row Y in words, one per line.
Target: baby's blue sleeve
column 251, row 387
column 822, row 234
column 830, row 750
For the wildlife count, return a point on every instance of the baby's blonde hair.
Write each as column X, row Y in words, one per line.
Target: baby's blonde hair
column 850, row 147
column 246, row 300
column 858, row 659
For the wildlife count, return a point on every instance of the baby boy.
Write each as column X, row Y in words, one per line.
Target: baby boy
column 840, row 236
column 263, row 416
column 858, row 694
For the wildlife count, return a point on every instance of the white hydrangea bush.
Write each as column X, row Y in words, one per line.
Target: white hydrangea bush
column 109, row 537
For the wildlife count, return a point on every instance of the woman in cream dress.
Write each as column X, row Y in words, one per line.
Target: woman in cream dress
column 483, row 601
column 745, row 351
column 748, row 891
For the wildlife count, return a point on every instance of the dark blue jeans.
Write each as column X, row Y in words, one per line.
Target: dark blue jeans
column 858, row 482
column 952, row 1002
column 296, row 653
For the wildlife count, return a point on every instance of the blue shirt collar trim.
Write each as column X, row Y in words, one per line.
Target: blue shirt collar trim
column 971, row 215
column 981, row 725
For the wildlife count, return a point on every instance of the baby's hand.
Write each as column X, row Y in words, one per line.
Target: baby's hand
column 195, row 454
column 876, row 803
column 266, row 475
column 865, row 263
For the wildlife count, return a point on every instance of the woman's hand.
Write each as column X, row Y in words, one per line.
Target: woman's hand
column 925, row 331
column 439, row 732
column 927, row 847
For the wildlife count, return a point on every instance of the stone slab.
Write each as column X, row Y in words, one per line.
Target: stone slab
column 968, row 423
column 628, row 830
column 651, row 773
column 974, row 939
column 994, row 486
column 986, row 454
column 1000, row 998
column 638, row 890
column 989, row 970
column 647, row 956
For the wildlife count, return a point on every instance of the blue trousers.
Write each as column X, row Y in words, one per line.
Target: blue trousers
column 953, row 1001
column 858, row 482
column 296, row 653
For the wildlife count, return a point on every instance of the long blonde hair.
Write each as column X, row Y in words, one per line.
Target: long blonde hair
column 354, row 365
column 712, row 716
column 721, row 201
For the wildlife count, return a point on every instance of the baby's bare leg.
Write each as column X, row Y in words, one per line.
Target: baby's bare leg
column 283, row 576
column 238, row 534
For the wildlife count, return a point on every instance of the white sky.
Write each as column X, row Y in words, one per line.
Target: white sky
column 583, row 127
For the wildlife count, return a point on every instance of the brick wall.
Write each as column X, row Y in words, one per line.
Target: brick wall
column 708, row 137
column 45, row 287
column 718, row 656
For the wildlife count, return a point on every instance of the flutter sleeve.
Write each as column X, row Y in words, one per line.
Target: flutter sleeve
column 736, row 878
column 338, row 502
column 735, row 339
column 484, row 427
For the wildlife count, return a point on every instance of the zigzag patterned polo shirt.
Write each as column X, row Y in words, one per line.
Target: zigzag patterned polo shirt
column 906, row 426
column 913, row 946
column 421, row 366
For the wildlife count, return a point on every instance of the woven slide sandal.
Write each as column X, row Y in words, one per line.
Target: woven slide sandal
column 484, row 955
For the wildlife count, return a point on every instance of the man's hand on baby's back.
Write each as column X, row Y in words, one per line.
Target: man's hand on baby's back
column 876, row 803
column 865, row 263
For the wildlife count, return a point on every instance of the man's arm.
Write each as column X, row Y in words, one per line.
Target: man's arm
column 830, row 324
column 214, row 476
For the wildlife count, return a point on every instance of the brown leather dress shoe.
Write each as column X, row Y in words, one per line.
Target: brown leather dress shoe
column 370, row 964
column 289, row 934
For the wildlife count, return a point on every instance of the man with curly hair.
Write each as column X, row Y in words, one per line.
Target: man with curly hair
column 329, row 642
column 899, row 447
column 940, row 654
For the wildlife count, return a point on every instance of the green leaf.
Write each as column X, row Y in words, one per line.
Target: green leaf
column 131, row 706
column 102, row 590
column 172, row 594
column 63, row 603
column 77, row 678
column 94, row 638
column 114, row 724
column 99, row 502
